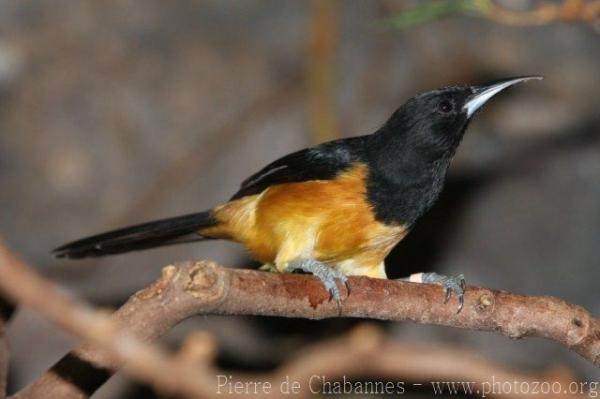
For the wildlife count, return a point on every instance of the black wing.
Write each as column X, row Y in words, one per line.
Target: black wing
column 322, row 162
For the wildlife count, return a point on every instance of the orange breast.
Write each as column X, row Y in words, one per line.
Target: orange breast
column 327, row 220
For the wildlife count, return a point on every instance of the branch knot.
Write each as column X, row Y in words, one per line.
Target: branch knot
column 206, row 281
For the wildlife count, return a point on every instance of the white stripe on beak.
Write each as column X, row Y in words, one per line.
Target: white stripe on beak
column 482, row 94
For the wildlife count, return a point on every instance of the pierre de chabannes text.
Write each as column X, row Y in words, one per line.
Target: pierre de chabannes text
column 320, row 384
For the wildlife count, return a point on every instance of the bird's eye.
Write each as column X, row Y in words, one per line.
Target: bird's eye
column 445, row 107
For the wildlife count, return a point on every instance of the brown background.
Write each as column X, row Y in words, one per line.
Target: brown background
column 116, row 112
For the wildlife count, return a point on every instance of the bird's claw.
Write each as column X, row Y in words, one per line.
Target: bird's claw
column 326, row 274
column 451, row 284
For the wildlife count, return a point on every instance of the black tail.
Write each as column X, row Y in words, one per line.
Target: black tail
column 142, row 236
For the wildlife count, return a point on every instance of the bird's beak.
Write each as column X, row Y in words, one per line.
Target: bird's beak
column 481, row 94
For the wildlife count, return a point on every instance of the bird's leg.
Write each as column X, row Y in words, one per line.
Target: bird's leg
column 451, row 284
column 326, row 274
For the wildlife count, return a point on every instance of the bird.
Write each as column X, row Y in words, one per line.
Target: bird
column 335, row 209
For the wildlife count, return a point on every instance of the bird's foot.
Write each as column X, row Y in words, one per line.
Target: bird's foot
column 268, row 267
column 326, row 274
column 451, row 284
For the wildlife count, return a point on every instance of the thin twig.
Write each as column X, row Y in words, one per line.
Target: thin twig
column 320, row 71
column 544, row 13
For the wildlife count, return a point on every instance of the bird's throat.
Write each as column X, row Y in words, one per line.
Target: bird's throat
column 403, row 183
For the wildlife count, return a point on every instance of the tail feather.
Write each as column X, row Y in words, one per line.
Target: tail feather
column 142, row 236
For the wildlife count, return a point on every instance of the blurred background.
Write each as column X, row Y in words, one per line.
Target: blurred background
column 117, row 112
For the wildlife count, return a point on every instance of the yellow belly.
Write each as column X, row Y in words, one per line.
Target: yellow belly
column 330, row 221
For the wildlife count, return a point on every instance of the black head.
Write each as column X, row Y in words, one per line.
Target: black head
column 435, row 121
column 410, row 154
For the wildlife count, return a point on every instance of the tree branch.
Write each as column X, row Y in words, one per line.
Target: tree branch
column 544, row 13
column 365, row 352
column 76, row 377
column 192, row 288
